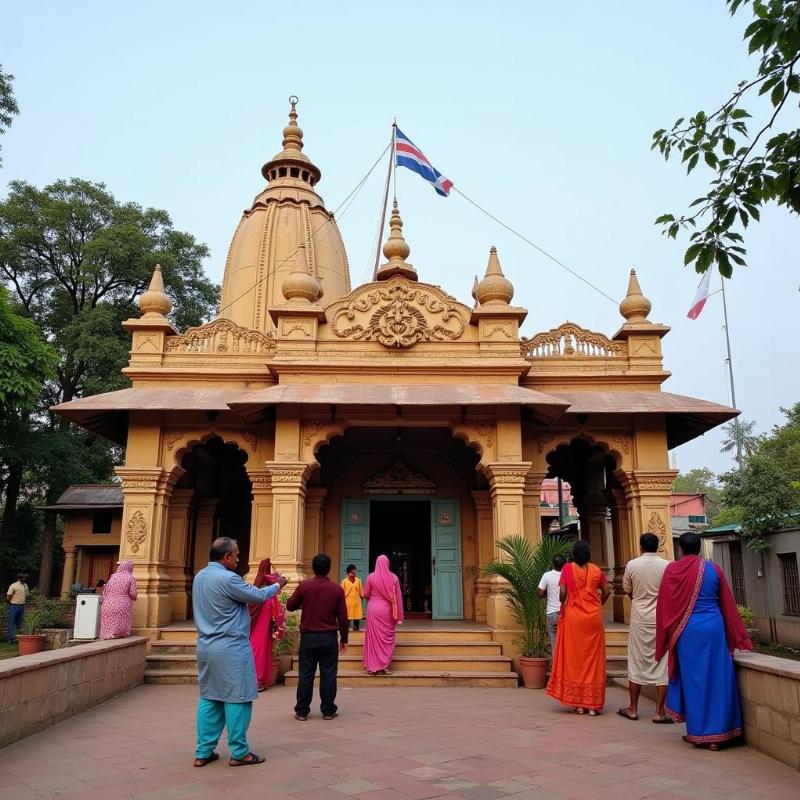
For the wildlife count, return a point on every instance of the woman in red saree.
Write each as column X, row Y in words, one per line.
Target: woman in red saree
column 578, row 673
column 265, row 621
column 699, row 625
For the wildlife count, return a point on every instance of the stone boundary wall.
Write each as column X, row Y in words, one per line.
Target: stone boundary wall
column 770, row 692
column 39, row 690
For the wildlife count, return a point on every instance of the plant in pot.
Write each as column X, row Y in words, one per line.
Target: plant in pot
column 286, row 646
column 42, row 612
column 521, row 564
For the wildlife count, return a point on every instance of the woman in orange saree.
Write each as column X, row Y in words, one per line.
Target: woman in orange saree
column 578, row 672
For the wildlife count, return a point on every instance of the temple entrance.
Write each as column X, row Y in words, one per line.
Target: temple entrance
column 401, row 530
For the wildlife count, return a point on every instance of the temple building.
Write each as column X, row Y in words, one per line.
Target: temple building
column 390, row 418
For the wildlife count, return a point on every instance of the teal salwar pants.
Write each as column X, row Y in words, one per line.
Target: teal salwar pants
column 212, row 717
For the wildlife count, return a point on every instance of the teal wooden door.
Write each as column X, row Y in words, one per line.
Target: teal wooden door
column 355, row 538
column 446, row 560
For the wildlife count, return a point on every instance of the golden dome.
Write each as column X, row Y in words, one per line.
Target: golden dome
column 155, row 301
column 495, row 288
column 635, row 307
column 396, row 250
column 264, row 249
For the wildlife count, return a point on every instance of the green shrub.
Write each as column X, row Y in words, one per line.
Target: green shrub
column 748, row 616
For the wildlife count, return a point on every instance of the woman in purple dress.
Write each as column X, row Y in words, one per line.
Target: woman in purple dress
column 384, row 614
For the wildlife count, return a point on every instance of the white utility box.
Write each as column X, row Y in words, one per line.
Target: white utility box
column 87, row 616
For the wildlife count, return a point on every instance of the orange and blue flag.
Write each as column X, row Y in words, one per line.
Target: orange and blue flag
column 408, row 155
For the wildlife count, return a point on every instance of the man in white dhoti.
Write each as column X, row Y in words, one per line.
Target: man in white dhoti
column 641, row 582
column 226, row 672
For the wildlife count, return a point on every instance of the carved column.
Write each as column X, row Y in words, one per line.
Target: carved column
column 313, row 541
column 260, row 520
column 484, row 532
column 178, row 522
column 288, row 516
column 68, row 578
column 647, row 494
column 621, row 537
column 506, row 489
column 531, row 501
column 147, row 492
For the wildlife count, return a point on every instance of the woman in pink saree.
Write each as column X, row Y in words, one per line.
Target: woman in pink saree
column 384, row 614
column 116, row 611
column 266, row 620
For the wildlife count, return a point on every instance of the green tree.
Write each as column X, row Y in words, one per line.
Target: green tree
column 8, row 103
column 703, row 481
column 76, row 259
column 748, row 171
column 766, row 488
column 740, row 438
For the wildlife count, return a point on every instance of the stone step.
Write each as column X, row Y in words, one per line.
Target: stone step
column 175, row 634
column 162, row 662
column 352, row 678
column 435, row 635
column 169, row 646
column 413, row 647
column 433, row 663
column 170, row 676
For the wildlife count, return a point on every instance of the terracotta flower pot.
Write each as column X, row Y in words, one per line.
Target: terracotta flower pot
column 533, row 671
column 30, row 643
column 274, row 668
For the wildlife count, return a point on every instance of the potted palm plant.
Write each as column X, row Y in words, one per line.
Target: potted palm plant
column 521, row 564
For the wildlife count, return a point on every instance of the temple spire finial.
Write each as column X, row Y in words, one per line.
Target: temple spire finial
column 635, row 307
column 396, row 250
column 495, row 288
column 293, row 133
column 155, row 301
column 300, row 286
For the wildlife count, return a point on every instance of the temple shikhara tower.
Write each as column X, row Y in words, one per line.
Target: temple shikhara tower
column 390, row 418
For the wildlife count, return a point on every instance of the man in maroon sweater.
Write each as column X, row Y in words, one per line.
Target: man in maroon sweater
column 324, row 612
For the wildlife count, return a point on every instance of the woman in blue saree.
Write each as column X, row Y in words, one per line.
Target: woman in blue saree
column 699, row 625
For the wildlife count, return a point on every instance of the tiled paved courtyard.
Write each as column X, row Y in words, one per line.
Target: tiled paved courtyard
column 386, row 744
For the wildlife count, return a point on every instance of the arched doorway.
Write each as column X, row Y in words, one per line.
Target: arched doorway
column 221, row 498
column 406, row 492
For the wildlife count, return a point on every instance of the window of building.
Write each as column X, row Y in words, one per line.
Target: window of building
column 791, row 583
column 737, row 573
column 101, row 522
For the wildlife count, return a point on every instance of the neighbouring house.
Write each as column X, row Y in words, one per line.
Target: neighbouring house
column 92, row 516
column 765, row 581
column 688, row 515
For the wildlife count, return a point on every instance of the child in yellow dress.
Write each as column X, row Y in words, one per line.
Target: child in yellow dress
column 353, row 592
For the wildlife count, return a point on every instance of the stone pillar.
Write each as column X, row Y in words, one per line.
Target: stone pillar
column 68, row 578
column 622, row 541
column 506, row 490
column 260, row 520
column 178, row 522
column 647, row 495
column 147, row 492
column 484, row 534
column 532, row 503
column 314, row 540
column 288, row 516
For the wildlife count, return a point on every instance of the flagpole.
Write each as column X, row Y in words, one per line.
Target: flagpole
column 729, row 361
column 389, row 176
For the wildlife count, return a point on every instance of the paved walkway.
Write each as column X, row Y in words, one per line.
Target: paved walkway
column 387, row 744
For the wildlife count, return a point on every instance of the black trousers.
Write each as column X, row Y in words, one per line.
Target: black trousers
column 323, row 649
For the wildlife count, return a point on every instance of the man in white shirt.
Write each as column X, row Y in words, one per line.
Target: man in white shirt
column 16, row 597
column 549, row 585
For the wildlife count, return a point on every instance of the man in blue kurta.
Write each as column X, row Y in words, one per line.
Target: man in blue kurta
column 227, row 675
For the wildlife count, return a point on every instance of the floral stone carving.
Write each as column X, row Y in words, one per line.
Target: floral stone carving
column 399, row 479
column 398, row 313
column 572, row 341
column 221, row 336
column 137, row 531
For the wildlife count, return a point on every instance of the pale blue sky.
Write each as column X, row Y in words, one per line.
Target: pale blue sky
column 541, row 112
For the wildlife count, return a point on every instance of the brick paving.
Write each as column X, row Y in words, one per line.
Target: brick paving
column 386, row 744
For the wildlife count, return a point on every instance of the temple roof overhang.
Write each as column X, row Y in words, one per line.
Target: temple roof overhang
column 686, row 417
column 108, row 414
column 88, row 497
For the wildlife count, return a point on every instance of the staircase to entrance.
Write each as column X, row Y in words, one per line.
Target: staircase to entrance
column 427, row 654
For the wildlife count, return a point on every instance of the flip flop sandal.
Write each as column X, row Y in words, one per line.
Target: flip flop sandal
column 663, row 721
column 580, row 711
column 623, row 712
column 593, row 712
column 201, row 762
column 246, row 762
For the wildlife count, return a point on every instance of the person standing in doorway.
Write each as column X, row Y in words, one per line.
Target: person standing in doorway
column 384, row 614
column 699, row 626
column 324, row 612
column 549, row 587
column 578, row 672
column 353, row 593
column 641, row 581
column 226, row 671
column 16, row 597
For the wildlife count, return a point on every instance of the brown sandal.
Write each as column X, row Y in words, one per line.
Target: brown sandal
column 250, row 758
column 201, row 762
